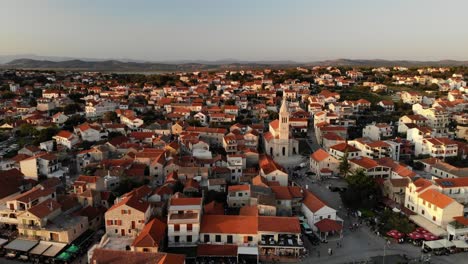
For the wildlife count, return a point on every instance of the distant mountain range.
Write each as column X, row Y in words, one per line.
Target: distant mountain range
column 124, row 65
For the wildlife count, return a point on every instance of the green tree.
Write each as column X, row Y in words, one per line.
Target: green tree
column 362, row 192
column 46, row 134
column 344, row 166
column 27, row 130
column 70, row 109
column 37, row 93
column 110, row 116
column 360, row 180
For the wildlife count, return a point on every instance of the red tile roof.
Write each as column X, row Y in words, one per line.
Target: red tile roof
column 178, row 201
column 435, row 197
column 45, row 208
column 279, row 224
column 327, row 225
column 365, row 162
column 312, row 202
column 229, row 224
column 238, row 188
column 319, row 155
column 152, row 234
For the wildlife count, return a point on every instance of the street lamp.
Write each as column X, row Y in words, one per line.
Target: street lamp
column 387, row 242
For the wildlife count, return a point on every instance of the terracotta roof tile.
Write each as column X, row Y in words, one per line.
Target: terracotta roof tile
column 435, row 197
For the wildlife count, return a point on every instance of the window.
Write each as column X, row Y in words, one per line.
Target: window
column 434, row 218
column 240, row 194
column 229, row 239
column 422, row 212
column 116, row 231
column 189, row 238
column 329, row 216
column 145, row 250
column 218, row 238
column 176, row 227
column 206, row 238
column 250, row 238
column 176, row 239
column 189, row 227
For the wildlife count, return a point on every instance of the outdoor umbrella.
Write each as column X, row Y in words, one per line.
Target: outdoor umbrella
column 429, row 237
column 395, row 234
column 415, row 235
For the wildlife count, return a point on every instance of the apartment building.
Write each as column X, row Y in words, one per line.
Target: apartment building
column 371, row 167
column 377, row 149
column 437, row 118
column 377, row 131
column 45, row 221
column 417, row 120
column 44, row 164
column 183, row 221
column 436, row 147
column 96, row 109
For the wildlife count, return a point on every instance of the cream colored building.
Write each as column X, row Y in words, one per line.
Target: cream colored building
column 183, row 221
column 129, row 214
column 278, row 140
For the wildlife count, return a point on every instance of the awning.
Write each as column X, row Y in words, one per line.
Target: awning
column 40, row 248
column 213, row 250
column 72, row 249
column 64, row 256
column 247, row 251
column 460, row 243
column 327, row 225
column 428, row 225
column 54, row 249
column 3, row 241
column 441, row 243
column 21, row 245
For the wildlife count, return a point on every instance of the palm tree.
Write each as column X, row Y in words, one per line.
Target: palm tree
column 344, row 166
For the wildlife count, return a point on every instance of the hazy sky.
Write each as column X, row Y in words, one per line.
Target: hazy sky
column 301, row 30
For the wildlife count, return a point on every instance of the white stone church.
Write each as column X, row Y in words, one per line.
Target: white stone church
column 278, row 141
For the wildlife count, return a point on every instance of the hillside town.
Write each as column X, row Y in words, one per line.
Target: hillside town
column 317, row 164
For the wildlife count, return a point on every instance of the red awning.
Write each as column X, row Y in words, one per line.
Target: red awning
column 327, row 225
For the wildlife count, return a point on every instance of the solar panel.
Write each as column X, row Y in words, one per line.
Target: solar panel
column 447, row 183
